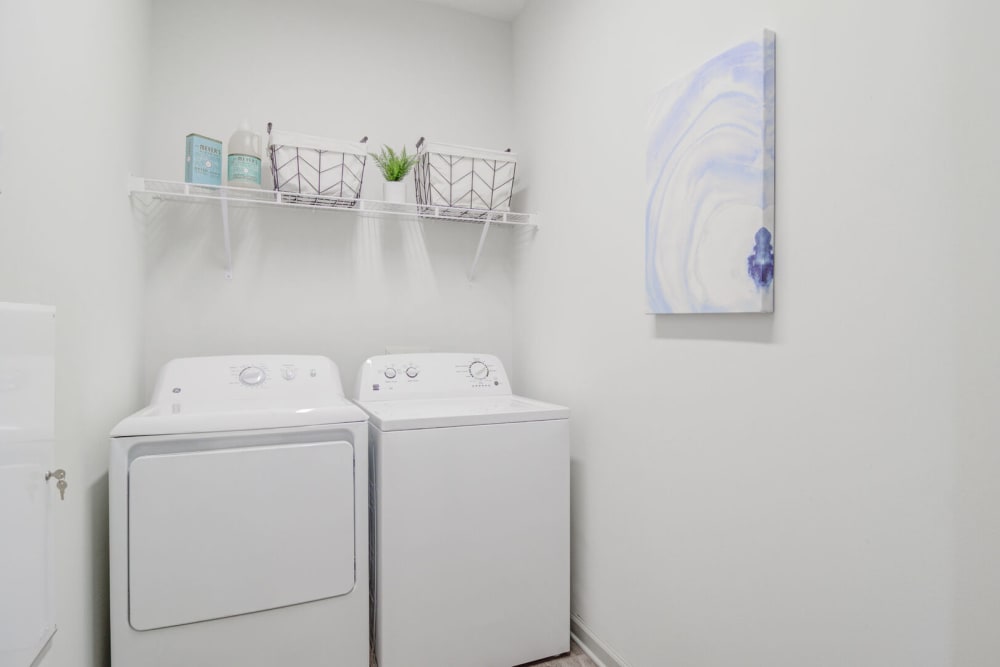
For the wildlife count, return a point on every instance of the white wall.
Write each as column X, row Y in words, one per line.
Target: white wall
column 70, row 76
column 748, row 490
column 976, row 167
column 759, row 490
column 316, row 282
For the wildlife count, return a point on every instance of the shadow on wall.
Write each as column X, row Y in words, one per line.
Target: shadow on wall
column 187, row 240
column 745, row 327
column 576, row 484
column 100, row 579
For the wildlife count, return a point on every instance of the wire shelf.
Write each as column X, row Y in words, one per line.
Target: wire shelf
column 156, row 189
column 148, row 189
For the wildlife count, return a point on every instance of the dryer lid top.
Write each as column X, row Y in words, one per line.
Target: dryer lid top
column 237, row 393
column 408, row 414
column 180, row 418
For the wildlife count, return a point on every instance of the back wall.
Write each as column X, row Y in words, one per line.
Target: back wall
column 323, row 282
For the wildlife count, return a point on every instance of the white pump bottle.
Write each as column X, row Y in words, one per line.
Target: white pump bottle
column 243, row 165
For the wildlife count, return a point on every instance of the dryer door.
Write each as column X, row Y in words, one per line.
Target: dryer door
column 233, row 531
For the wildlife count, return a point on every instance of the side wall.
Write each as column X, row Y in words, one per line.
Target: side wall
column 752, row 490
column 70, row 80
column 975, row 94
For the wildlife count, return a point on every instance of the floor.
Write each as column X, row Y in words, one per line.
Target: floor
column 575, row 658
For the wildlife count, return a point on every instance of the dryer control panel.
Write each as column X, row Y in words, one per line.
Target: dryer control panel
column 431, row 375
column 215, row 379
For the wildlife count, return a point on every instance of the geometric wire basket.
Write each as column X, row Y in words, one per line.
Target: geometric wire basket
column 304, row 166
column 464, row 177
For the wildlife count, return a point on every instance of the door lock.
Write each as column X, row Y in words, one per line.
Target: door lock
column 61, row 483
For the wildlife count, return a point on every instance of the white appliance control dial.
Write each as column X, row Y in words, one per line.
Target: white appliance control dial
column 252, row 376
column 289, row 372
column 479, row 370
column 430, row 375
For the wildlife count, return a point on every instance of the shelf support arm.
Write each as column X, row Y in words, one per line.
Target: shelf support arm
column 225, row 238
column 479, row 250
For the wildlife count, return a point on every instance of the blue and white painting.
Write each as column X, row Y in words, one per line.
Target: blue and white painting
column 710, row 173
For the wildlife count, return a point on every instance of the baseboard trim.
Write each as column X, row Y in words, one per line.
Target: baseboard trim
column 595, row 648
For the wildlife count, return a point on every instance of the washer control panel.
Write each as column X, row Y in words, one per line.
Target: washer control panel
column 397, row 376
column 238, row 377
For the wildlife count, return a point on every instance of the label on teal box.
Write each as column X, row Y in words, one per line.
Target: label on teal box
column 203, row 160
column 244, row 170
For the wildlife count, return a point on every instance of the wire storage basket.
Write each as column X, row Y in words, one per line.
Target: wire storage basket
column 464, row 177
column 316, row 170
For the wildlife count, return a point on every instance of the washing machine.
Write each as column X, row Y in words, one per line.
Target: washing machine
column 469, row 514
column 239, row 518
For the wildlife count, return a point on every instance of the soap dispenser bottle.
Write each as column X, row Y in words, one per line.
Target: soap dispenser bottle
column 243, row 167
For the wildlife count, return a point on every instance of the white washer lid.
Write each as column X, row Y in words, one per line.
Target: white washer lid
column 179, row 418
column 407, row 414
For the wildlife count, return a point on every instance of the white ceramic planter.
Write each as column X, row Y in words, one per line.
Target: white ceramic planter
column 394, row 192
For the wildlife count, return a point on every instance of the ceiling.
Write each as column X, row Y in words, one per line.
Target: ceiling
column 505, row 10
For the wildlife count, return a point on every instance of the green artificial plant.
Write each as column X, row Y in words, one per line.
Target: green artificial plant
column 395, row 166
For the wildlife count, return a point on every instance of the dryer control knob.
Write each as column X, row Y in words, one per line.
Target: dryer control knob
column 390, row 373
column 252, row 376
column 412, row 372
column 479, row 370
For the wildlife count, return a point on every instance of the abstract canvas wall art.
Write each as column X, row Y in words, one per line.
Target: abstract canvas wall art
column 710, row 184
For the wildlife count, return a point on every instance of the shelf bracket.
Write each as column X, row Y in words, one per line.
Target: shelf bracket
column 135, row 184
column 225, row 238
column 479, row 250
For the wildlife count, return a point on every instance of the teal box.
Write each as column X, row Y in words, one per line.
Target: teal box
column 203, row 160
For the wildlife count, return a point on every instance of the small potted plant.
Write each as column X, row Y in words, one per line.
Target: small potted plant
column 394, row 166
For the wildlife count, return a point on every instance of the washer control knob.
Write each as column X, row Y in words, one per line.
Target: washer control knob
column 252, row 376
column 479, row 370
column 412, row 372
column 289, row 372
column 390, row 373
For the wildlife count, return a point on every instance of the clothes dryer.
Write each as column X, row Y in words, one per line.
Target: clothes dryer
column 238, row 518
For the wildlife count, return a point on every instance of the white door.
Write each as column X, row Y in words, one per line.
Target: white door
column 233, row 531
column 27, row 396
